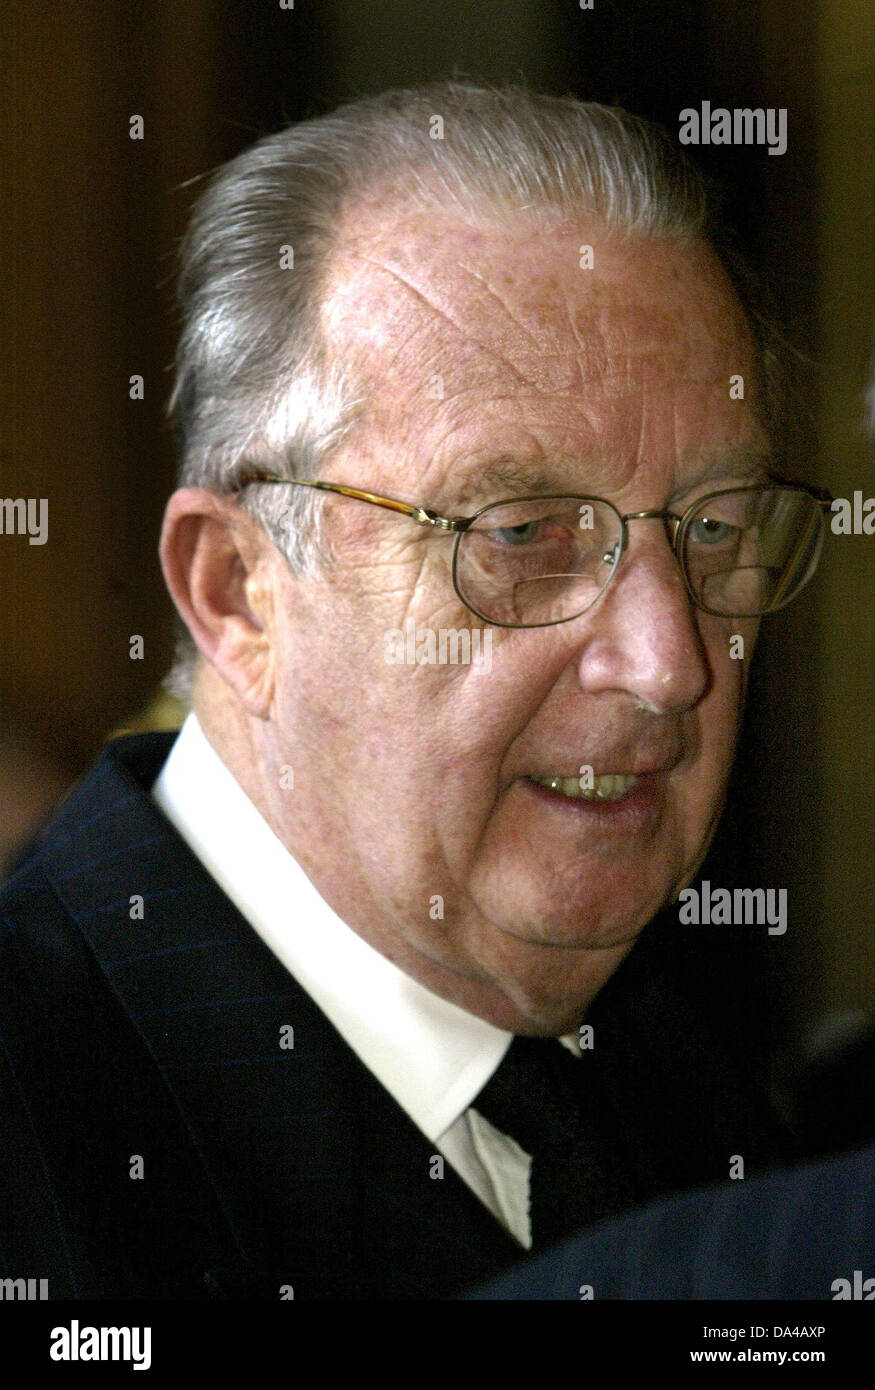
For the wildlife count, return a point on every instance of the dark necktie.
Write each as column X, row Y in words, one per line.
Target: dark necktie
column 543, row 1098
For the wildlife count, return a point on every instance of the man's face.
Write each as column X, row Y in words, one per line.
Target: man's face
column 498, row 367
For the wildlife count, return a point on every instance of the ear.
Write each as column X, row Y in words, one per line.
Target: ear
column 222, row 569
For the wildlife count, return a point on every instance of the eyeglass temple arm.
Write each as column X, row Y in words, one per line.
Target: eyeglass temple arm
column 423, row 515
column 426, row 517
column 823, row 498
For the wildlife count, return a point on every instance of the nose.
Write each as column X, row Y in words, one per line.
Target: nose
column 643, row 636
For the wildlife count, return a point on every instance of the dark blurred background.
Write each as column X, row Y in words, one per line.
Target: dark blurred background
column 91, row 220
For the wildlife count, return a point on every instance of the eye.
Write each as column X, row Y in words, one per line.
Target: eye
column 708, row 530
column 517, row 535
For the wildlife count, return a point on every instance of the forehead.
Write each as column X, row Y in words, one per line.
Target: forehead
column 506, row 292
column 515, row 337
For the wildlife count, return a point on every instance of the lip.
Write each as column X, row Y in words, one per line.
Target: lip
column 626, row 760
column 635, row 811
column 618, row 769
column 623, row 759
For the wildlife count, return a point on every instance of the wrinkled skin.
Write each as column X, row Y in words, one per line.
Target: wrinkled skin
column 411, row 781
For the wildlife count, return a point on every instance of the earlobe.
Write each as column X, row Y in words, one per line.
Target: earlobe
column 217, row 566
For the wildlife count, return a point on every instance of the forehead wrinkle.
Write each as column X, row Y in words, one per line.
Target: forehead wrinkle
column 461, row 330
column 608, row 344
column 493, row 294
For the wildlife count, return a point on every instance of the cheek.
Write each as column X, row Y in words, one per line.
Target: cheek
column 729, row 645
column 429, row 734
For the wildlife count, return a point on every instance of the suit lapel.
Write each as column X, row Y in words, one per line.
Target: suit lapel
column 325, row 1182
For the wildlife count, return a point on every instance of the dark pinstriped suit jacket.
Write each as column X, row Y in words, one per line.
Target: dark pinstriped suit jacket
column 158, row 1039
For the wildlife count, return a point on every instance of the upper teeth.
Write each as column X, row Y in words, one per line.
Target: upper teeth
column 609, row 787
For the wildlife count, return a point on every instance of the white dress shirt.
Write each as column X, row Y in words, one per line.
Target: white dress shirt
column 431, row 1056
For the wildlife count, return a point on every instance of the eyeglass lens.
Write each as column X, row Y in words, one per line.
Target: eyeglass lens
column 545, row 560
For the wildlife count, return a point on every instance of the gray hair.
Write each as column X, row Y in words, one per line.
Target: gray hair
column 256, row 380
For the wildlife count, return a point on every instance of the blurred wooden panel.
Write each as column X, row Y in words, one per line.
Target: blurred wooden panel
column 846, row 620
column 372, row 46
column 88, row 223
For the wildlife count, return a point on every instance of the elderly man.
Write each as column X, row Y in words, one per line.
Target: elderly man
column 309, row 1006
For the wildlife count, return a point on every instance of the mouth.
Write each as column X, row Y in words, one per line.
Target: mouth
column 610, row 786
column 609, row 802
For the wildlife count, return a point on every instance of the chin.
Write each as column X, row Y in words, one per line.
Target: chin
column 612, row 925
column 557, row 1003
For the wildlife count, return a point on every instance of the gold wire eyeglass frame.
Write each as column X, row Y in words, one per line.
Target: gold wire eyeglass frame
column 458, row 525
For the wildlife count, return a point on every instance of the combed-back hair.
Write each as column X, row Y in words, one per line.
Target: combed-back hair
column 256, row 378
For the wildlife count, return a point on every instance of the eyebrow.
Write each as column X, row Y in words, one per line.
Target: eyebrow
column 510, row 476
column 753, row 465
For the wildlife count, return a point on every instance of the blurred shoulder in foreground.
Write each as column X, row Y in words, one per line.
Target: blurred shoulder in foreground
column 803, row 1233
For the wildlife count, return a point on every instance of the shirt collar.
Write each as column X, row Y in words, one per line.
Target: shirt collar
column 431, row 1056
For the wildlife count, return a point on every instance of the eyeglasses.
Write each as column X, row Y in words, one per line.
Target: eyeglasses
column 538, row 561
